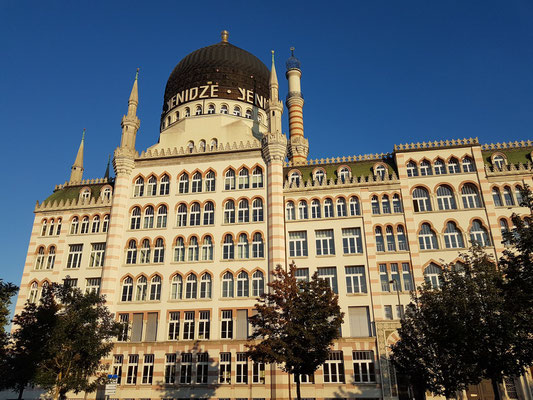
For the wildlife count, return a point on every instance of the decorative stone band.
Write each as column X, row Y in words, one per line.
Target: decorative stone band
column 221, row 148
column 344, row 159
column 337, row 183
column 509, row 169
column 274, row 147
column 73, row 204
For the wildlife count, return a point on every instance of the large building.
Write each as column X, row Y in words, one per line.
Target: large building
column 183, row 239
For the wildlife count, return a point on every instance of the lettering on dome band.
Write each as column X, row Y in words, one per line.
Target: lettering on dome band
column 212, row 92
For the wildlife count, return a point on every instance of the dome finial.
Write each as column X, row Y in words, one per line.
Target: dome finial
column 224, row 35
column 292, row 51
column 272, row 56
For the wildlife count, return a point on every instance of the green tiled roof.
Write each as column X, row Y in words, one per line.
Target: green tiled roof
column 73, row 192
column 514, row 156
column 359, row 168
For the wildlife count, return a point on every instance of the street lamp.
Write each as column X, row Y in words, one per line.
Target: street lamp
column 396, row 286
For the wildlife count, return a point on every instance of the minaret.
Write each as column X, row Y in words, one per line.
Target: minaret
column 298, row 145
column 76, row 172
column 130, row 123
column 274, row 105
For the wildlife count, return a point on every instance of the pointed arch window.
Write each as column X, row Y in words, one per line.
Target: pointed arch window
column 162, row 217
column 341, row 207
column 433, row 275
column 148, row 217
column 155, row 288
column 39, row 261
column 508, row 196
column 210, row 181
column 446, row 198
column 257, row 177
column 425, row 168
column 229, row 180
column 51, row 229
column 391, row 243
column 229, row 212
column 468, row 164
column 179, row 250
column 439, row 167
column 131, row 254
column 375, row 205
column 355, row 206
column 380, row 243
column 244, row 211
column 138, row 188
column 478, row 234
column 44, row 228
column 453, row 238
column 105, row 223
column 74, row 226
column 85, row 225
column 290, row 214
column 315, row 209
column 152, row 186
column 517, row 191
column 227, row 285
column 257, row 246
column 183, row 186
column 244, row 179
column 33, row 293
column 58, row 229
column 164, row 186
column 242, row 247
column 470, row 196
column 385, row 204
column 195, row 214
column 427, row 238
column 182, row 215
column 402, row 239
column 205, row 286
column 228, row 248
column 257, row 210
column 176, row 287
column 127, row 289
column 412, row 169
column 135, row 219
column 453, row 166
column 51, row 258
column 504, row 227
column 193, row 248
column 145, row 252
column 207, row 249
column 159, row 251
column 302, row 210
column 209, row 213
column 258, row 284
column 328, row 208
column 243, row 285
column 421, row 200
column 397, row 204
column 141, row 289
column 496, row 196
column 191, row 287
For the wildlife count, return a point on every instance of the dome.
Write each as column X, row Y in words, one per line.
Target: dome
column 235, row 73
column 293, row 62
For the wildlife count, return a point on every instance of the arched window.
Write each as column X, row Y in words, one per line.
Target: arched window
column 468, row 164
column 145, row 252
column 412, row 169
column 159, row 251
column 85, row 225
column 439, row 167
column 504, row 226
column 344, row 174
column 243, row 289
column 58, row 229
column 496, row 196
column 51, row 230
column 138, row 189
column 85, row 194
column 242, row 246
column 179, row 250
column 295, row 179
column 385, row 204
column 191, row 287
column 210, row 181
column 257, row 177
column 51, row 258
column 248, row 113
column 105, row 223
column 237, row 111
column 478, row 234
column 152, row 186
column 433, row 275
column 391, row 243
column 155, row 288
column 194, row 250
column 223, row 109
column 184, row 183
column 127, row 289
column 470, row 196
column 135, row 219
column 33, row 293
column 380, row 243
column 427, row 238
column 302, row 210
column 375, row 205
column 198, row 110
column 229, row 180
column 498, row 161
column 141, row 288
column 421, row 201
column 355, row 206
column 207, row 249
column 131, row 254
column 328, row 208
column 257, row 210
column 162, row 217
column 39, row 261
column 177, row 115
column 380, row 171
column 319, row 176
column 73, row 226
column 229, row 212
column 341, row 207
column 176, row 287
column 196, row 186
column 453, row 238
column 289, row 211
column 148, row 217
column 244, row 179
column 508, row 196
column 402, row 240
column 446, row 198
column 425, row 168
column 182, row 215
column 227, row 285
column 205, row 286
column 517, row 191
column 195, row 214
column 187, row 112
column 453, row 166
column 164, row 186
column 209, row 213
column 397, row 204
column 257, row 246
column 244, row 211
column 258, row 284
column 315, row 209
column 228, row 248
column 211, row 109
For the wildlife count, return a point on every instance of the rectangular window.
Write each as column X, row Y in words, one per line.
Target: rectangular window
column 71, row 282
column 148, row 369
column 92, row 285
column 227, row 324
column 225, row 368
column 118, row 359
column 97, row 255
column 74, row 255
column 302, row 274
column 124, row 320
column 202, row 363
column 133, row 366
column 186, row 368
column 324, row 242
column 407, row 277
column 387, row 310
column 363, row 366
column 355, row 279
column 242, row 368
column 188, row 326
column 384, row 278
column 298, row 244
column 242, row 325
column 334, row 368
column 351, row 241
column 395, row 276
column 137, row 327
column 359, row 321
column 170, row 368
column 330, row 275
column 151, row 327
column 258, row 372
column 174, row 326
column 204, row 325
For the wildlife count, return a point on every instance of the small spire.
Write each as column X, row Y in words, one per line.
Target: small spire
column 224, row 35
column 134, row 96
column 83, row 135
column 137, row 74
column 273, row 75
column 76, row 172
column 272, row 51
column 106, row 175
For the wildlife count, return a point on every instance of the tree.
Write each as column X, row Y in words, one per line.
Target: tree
column 296, row 323
column 7, row 291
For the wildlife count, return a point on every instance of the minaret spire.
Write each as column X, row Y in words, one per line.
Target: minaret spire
column 106, row 175
column 274, row 105
column 130, row 123
column 76, row 172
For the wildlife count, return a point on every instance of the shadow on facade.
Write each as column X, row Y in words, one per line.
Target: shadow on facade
column 342, row 393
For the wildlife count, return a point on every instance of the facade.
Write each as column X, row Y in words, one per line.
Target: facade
column 183, row 239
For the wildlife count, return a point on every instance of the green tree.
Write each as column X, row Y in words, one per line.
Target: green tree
column 295, row 324
column 7, row 291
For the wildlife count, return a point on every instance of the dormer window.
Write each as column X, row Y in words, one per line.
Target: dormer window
column 319, row 176
column 85, row 194
column 106, row 194
column 498, row 161
column 344, row 174
column 295, row 179
column 380, row 171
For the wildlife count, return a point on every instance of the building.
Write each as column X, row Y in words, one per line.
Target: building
column 182, row 240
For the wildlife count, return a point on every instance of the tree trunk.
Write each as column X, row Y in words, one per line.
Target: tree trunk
column 496, row 389
column 419, row 392
column 21, row 390
column 297, row 379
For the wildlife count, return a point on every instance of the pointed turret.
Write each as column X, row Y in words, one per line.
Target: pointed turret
column 76, row 172
column 130, row 122
column 106, row 175
column 274, row 105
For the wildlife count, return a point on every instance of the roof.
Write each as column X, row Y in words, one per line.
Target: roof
column 73, row 192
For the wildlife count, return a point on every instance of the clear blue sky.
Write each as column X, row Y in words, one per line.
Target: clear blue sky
column 375, row 73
